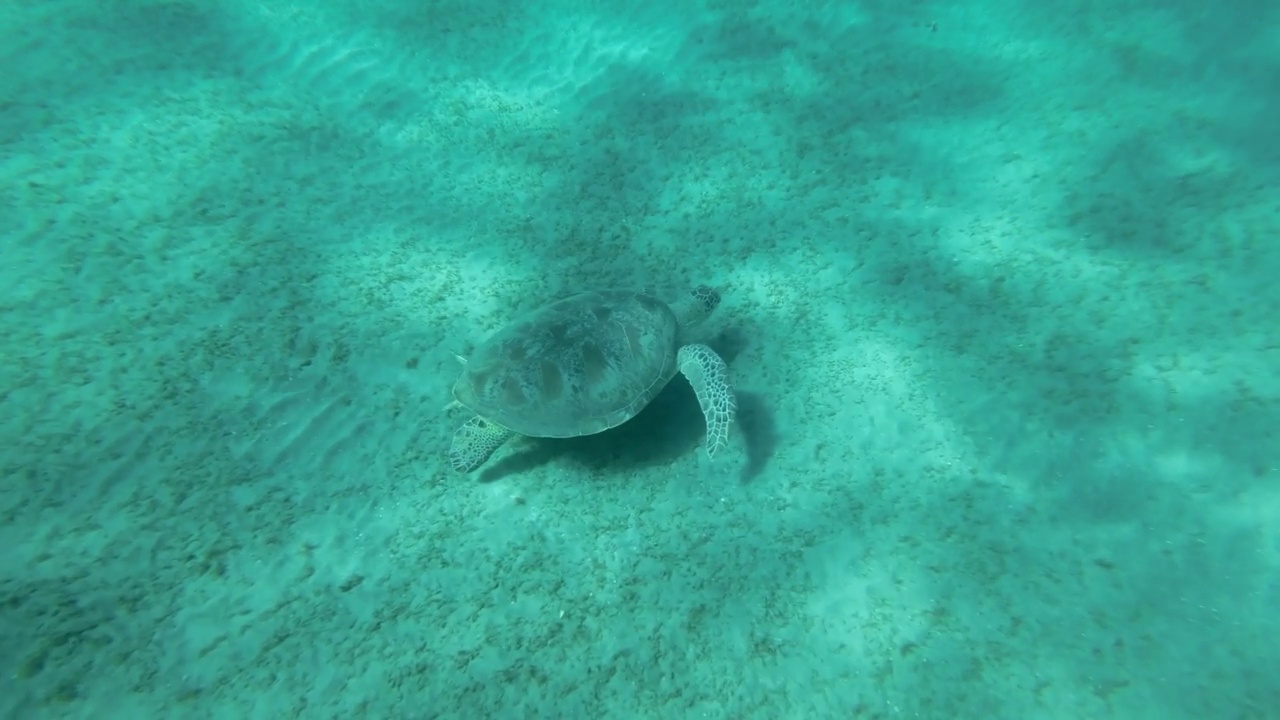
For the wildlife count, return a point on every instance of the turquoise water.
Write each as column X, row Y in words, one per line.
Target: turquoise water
column 999, row 306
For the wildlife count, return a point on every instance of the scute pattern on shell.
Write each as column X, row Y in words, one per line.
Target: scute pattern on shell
column 578, row 366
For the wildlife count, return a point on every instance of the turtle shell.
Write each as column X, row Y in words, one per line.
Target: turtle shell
column 578, row 366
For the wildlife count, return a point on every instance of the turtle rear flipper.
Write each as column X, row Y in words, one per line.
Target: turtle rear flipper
column 709, row 376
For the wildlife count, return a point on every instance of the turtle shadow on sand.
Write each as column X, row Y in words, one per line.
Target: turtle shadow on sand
column 758, row 431
column 670, row 426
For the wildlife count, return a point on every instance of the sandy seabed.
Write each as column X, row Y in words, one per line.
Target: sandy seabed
column 999, row 288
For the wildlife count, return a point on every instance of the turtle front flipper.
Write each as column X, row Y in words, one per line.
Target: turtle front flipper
column 709, row 377
column 474, row 442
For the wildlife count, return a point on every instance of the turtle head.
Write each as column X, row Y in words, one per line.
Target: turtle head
column 696, row 305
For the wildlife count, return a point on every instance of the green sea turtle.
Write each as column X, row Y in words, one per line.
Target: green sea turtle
column 584, row 364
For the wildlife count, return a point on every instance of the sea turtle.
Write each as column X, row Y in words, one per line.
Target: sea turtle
column 584, row 364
